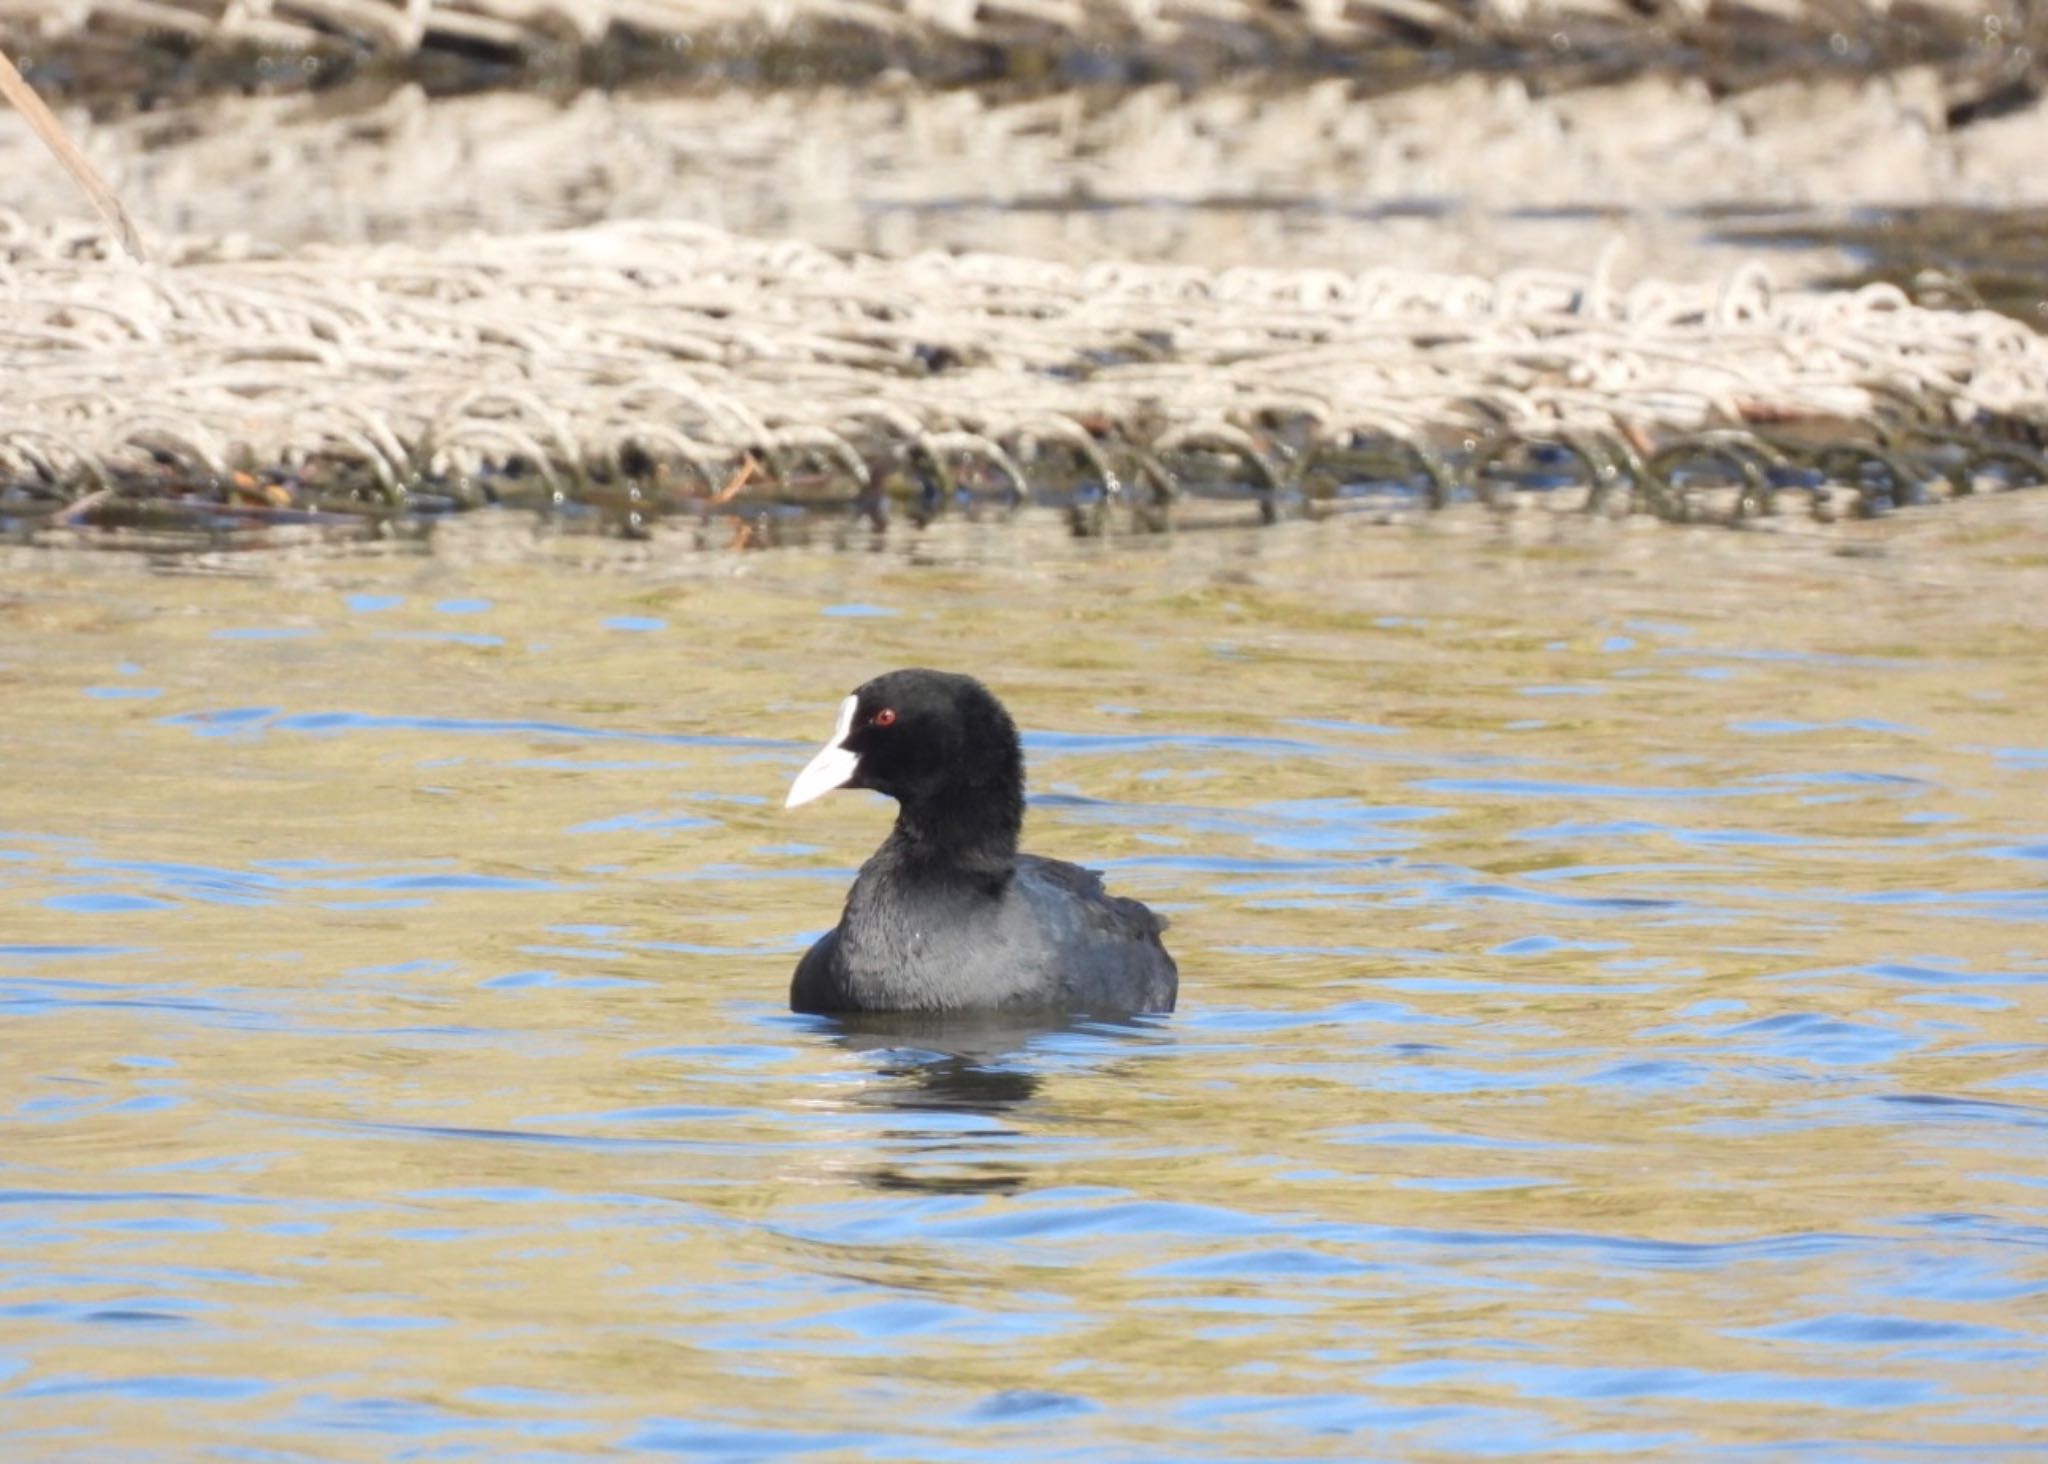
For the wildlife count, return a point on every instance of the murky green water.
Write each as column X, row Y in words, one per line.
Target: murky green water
column 1614, row 1016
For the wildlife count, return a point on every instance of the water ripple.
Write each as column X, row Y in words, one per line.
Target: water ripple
column 398, row 1060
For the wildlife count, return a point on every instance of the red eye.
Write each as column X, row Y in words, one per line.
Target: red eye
column 886, row 717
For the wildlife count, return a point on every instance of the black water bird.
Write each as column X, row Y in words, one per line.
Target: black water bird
column 947, row 916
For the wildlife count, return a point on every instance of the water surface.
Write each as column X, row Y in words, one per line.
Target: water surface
column 1614, row 1007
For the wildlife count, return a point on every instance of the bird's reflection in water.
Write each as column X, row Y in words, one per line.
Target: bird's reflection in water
column 988, row 1064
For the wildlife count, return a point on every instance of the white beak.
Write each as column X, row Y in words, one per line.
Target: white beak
column 833, row 767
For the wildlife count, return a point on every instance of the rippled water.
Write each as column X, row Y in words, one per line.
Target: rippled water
column 1614, row 1011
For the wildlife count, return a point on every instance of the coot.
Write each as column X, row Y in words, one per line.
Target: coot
column 947, row 916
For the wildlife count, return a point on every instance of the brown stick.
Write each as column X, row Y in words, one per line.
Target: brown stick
column 740, row 479
column 75, row 511
column 51, row 131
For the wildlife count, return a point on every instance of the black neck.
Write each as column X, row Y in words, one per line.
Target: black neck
column 971, row 830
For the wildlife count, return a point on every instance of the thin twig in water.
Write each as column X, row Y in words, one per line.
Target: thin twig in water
column 75, row 511
column 51, row 131
column 742, row 476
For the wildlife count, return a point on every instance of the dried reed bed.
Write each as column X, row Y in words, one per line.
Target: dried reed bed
column 102, row 45
column 671, row 364
column 1474, row 174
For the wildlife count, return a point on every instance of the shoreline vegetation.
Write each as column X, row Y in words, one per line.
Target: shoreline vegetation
column 116, row 54
column 369, row 375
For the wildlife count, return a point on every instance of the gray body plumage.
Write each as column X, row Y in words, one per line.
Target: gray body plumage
column 1049, row 938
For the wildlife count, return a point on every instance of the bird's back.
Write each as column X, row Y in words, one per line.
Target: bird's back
column 1106, row 949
